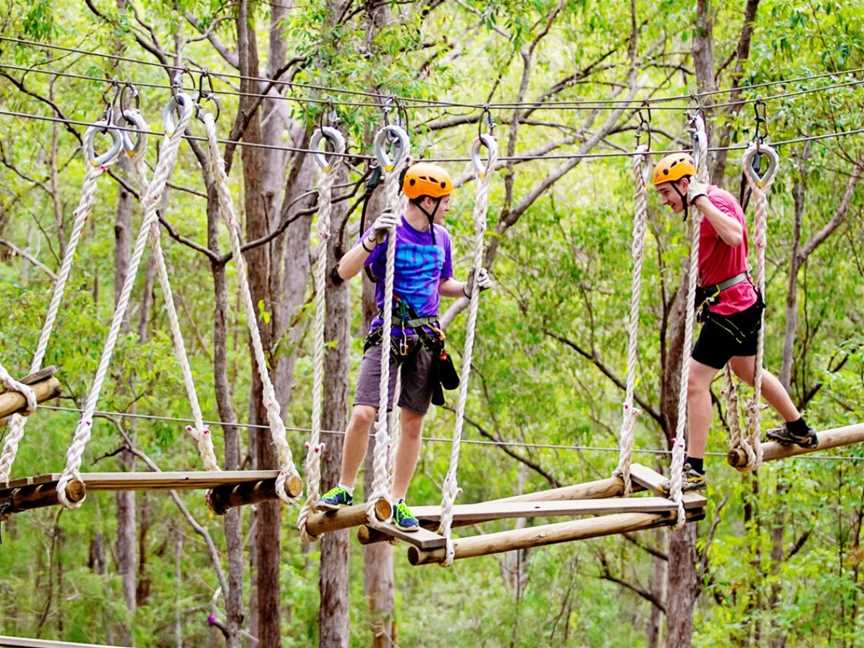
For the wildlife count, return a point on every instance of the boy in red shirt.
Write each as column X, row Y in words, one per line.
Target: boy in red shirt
column 731, row 310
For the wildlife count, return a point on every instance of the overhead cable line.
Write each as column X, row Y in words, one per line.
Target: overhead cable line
column 479, row 442
column 586, row 104
column 431, row 104
column 513, row 158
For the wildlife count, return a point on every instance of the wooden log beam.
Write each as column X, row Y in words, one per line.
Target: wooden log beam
column 485, row 511
column 547, row 534
column 32, row 496
column 320, row 522
column 223, row 498
column 833, row 438
column 44, row 385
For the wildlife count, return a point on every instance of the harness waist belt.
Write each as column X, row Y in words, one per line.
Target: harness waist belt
column 741, row 277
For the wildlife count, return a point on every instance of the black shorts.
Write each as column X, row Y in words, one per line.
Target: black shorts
column 417, row 378
column 725, row 336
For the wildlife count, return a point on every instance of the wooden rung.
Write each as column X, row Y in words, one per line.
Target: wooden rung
column 21, row 642
column 547, row 534
column 649, row 479
column 486, row 511
column 833, row 438
column 320, row 522
column 422, row 539
column 40, row 491
column 223, row 498
column 44, row 385
column 154, row 480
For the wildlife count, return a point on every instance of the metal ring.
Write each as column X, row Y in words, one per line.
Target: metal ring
column 136, row 148
column 178, row 102
column 396, row 136
column 700, row 140
column 334, row 137
column 89, row 147
column 491, row 145
column 760, row 179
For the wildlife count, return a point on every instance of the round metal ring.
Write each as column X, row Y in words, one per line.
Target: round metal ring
column 135, row 147
column 108, row 156
column 398, row 138
column 336, row 141
column 752, row 171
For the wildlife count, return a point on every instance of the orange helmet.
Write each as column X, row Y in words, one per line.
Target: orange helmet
column 674, row 167
column 424, row 179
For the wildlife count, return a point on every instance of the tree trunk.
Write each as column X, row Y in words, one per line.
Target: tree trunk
column 233, row 520
column 377, row 557
column 333, row 622
column 658, row 590
column 681, row 580
column 126, row 522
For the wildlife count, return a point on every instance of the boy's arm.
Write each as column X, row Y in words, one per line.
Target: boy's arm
column 354, row 260
column 728, row 228
column 453, row 288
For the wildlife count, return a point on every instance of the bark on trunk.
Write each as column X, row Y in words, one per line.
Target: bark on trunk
column 126, row 523
column 377, row 557
column 333, row 611
column 233, row 520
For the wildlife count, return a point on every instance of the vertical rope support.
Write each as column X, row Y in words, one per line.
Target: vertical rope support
column 381, row 475
column 760, row 185
column 199, row 431
column 629, row 413
column 678, row 448
column 95, row 168
column 287, row 470
column 150, row 202
column 450, row 488
column 314, row 446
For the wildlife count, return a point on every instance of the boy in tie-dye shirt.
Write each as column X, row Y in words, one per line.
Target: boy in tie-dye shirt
column 423, row 274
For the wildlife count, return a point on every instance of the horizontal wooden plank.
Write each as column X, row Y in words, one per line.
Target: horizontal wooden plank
column 21, row 642
column 500, row 510
column 152, row 480
column 649, row 479
column 423, row 539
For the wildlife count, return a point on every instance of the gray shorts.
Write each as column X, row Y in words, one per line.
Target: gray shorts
column 416, row 387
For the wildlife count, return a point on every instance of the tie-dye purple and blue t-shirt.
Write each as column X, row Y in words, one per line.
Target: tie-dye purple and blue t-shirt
column 420, row 267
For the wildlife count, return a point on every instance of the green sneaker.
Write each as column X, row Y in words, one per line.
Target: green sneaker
column 403, row 518
column 335, row 498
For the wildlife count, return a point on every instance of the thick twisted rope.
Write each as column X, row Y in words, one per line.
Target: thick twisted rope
column 150, row 202
column 199, row 431
column 637, row 245
column 381, row 477
column 760, row 187
column 314, row 446
column 679, row 446
column 11, row 384
column 450, row 488
column 274, row 414
column 17, row 423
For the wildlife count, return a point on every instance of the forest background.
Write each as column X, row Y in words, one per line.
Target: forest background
column 778, row 559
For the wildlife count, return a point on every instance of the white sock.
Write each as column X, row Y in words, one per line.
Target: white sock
column 348, row 488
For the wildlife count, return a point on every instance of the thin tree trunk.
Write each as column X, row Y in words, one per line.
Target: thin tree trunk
column 333, row 622
column 126, row 522
column 233, row 520
column 377, row 557
column 658, row 591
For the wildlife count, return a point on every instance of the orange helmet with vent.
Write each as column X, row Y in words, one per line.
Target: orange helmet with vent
column 674, row 167
column 424, row 179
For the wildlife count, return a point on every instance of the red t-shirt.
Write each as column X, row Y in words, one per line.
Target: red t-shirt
column 719, row 261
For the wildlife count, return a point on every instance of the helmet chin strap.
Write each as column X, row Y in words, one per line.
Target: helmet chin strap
column 431, row 217
column 683, row 197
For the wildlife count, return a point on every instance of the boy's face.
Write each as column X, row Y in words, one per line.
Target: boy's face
column 443, row 208
column 670, row 197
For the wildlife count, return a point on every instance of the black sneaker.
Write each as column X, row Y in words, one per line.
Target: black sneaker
column 692, row 479
column 334, row 499
column 805, row 437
